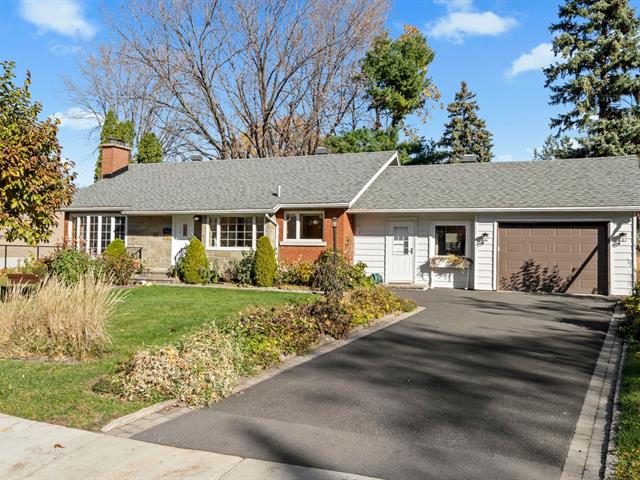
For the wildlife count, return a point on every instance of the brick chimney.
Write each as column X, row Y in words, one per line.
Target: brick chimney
column 115, row 157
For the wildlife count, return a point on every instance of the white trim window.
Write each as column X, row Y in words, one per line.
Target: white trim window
column 92, row 233
column 303, row 228
column 451, row 240
column 235, row 233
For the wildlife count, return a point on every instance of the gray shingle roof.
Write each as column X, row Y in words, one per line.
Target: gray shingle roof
column 246, row 184
column 585, row 182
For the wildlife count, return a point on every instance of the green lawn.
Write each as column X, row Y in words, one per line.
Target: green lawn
column 153, row 315
column 629, row 428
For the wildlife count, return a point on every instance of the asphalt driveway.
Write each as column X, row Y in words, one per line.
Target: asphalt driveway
column 479, row 385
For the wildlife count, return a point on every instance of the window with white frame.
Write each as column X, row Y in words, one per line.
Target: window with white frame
column 451, row 240
column 307, row 226
column 92, row 233
column 235, row 232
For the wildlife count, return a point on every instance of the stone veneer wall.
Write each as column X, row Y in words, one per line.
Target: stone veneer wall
column 146, row 232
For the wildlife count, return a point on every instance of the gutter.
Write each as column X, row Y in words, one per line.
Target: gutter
column 629, row 208
column 272, row 220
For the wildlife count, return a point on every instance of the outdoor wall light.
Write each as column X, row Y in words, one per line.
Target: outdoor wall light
column 196, row 218
column 485, row 236
column 622, row 237
column 334, row 221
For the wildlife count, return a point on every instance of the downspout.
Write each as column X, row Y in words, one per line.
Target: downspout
column 272, row 220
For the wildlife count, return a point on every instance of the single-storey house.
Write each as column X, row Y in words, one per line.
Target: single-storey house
column 556, row 225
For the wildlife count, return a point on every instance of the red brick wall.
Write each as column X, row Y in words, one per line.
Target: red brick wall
column 344, row 237
column 114, row 158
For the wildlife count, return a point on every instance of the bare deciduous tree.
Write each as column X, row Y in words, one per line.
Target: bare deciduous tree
column 239, row 78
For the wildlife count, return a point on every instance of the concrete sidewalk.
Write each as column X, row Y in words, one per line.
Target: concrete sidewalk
column 38, row 450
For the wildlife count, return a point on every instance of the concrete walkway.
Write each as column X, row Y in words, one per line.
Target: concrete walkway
column 35, row 450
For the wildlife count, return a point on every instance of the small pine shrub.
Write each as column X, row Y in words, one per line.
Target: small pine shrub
column 195, row 262
column 265, row 265
column 115, row 249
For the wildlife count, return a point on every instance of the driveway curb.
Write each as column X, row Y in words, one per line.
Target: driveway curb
column 587, row 452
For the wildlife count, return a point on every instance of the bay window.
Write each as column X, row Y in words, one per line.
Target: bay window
column 235, row 232
column 304, row 227
column 92, row 233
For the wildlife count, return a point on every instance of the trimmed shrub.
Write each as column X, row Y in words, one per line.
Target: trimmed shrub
column 59, row 319
column 115, row 249
column 195, row 262
column 265, row 265
column 201, row 369
column 117, row 265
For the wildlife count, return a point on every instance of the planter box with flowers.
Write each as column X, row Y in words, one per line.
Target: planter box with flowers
column 452, row 261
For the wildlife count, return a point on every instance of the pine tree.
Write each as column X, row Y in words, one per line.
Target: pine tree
column 465, row 132
column 112, row 128
column 149, row 149
column 558, row 147
column 395, row 76
column 597, row 43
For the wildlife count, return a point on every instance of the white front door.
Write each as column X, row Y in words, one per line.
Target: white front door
column 400, row 248
column 182, row 231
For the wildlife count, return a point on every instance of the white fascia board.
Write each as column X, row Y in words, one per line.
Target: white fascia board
column 195, row 212
column 92, row 209
column 310, row 205
column 376, row 175
column 629, row 208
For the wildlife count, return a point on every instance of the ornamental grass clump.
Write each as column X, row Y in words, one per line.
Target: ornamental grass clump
column 58, row 320
column 200, row 370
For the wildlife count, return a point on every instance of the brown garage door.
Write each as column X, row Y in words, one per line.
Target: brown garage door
column 536, row 257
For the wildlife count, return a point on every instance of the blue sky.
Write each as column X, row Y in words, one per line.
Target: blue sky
column 497, row 46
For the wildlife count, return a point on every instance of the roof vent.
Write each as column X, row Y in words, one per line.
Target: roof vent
column 322, row 151
column 279, row 194
column 196, row 158
column 469, row 158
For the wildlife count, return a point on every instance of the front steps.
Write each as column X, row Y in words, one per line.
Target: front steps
column 154, row 276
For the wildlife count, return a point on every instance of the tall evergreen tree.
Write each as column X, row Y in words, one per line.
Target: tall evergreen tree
column 112, row 128
column 465, row 132
column 149, row 149
column 597, row 43
column 395, row 76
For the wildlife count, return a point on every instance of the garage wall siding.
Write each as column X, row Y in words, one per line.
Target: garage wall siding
column 621, row 254
column 484, row 255
column 370, row 240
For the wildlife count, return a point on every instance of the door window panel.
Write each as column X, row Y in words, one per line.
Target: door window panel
column 400, row 240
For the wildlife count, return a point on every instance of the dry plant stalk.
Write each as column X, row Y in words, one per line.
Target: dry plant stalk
column 57, row 320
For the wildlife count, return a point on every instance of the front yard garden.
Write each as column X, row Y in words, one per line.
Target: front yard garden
column 61, row 392
column 77, row 351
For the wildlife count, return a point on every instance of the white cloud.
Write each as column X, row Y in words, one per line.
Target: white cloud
column 538, row 58
column 462, row 21
column 457, row 25
column 505, row 158
column 59, row 48
column 455, row 5
column 64, row 17
column 76, row 118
